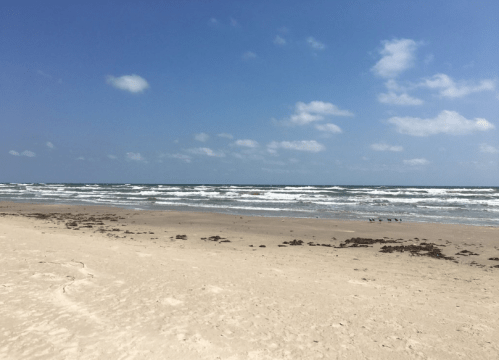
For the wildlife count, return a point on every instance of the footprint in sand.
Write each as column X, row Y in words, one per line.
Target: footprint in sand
column 363, row 283
column 48, row 277
column 141, row 254
column 171, row 301
column 213, row 289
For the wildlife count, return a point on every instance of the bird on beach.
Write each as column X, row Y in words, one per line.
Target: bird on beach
column 396, row 220
column 389, row 220
column 380, row 220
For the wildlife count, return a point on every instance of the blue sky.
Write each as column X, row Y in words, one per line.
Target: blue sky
column 266, row 92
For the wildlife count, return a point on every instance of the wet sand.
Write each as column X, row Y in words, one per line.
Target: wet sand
column 82, row 282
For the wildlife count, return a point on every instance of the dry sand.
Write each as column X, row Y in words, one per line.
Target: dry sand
column 125, row 286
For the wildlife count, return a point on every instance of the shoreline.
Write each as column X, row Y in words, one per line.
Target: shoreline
column 165, row 284
column 450, row 205
column 249, row 213
column 275, row 228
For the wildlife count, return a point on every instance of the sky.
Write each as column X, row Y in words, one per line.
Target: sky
column 250, row 92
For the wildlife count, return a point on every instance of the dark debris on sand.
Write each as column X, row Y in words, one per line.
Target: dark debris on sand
column 217, row 238
column 80, row 221
column 360, row 242
column 466, row 253
column 77, row 221
column 294, row 242
column 423, row 249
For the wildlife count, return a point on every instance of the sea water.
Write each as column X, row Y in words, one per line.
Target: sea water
column 453, row 205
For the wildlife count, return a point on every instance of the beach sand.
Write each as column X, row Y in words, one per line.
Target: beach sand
column 83, row 282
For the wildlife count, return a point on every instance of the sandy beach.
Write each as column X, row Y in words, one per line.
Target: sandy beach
column 83, row 282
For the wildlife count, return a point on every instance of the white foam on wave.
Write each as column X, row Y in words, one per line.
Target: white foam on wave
column 265, row 201
column 10, row 191
column 302, row 191
column 350, row 202
column 332, row 203
column 203, row 194
column 225, row 207
column 147, row 193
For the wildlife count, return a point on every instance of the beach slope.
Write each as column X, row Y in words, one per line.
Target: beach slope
column 80, row 282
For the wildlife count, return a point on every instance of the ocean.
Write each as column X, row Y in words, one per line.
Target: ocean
column 451, row 205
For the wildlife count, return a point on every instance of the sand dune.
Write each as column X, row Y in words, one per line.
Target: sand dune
column 107, row 283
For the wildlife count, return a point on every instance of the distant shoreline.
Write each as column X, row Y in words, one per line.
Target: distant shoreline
column 473, row 206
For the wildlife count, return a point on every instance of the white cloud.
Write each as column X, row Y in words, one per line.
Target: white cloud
column 303, row 145
column 249, row 153
column 183, row 157
column 397, row 95
column 28, row 153
column 206, row 151
column 225, row 135
column 447, row 122
column 24, row 153
column 201, row 137
column 132, row 83
column 315, row 44
column 50, row 145
column 278, row 40
column 233, row 22
column 448, row 87
column 134, row 156
column 213, row 21
column 386, row 147
column 397, row 56
column 485, row 148
column 321, row 107
column 392, row 85
column 304, row 118
column 112, row 157
column 246, row 143
column 314, row 111
column 439, row 81
column 249, row 55
column 332, row 128
column 402, row 99
column 416, row 162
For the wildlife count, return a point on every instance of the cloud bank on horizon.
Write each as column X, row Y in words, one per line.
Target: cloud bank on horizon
column 237, row 102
